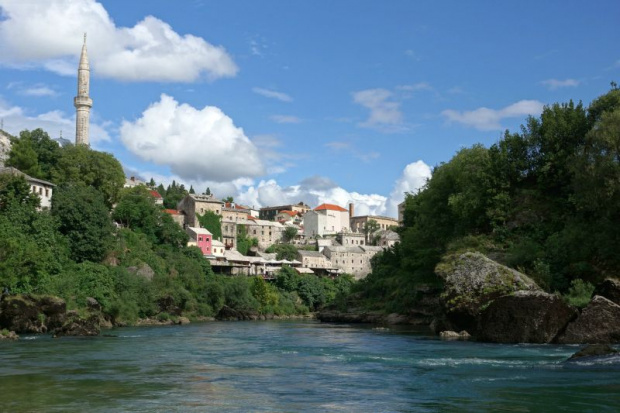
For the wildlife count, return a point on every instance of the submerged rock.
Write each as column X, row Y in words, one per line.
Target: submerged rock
column 453, row 335
column 472, row 281
column 598, row 323
column 594, row 350
column 524, row 317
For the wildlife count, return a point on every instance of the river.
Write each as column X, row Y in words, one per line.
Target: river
column 296, row 366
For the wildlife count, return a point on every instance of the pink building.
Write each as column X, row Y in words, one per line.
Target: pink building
column 201, row 238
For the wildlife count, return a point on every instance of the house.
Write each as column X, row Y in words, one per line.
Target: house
column 177, row 216
column 313, row 259
column 266, row 232
column 354, row 260
column 347, row 238
column 157, row 197
column 37, row 186
column 217, row 249
column 194, row 204
column 269, row 213
column 133, row 182
column 234, row 212
column 326, row 219
column 288, row 216
column 357, row 223
column 201, row 238
column 387, row 238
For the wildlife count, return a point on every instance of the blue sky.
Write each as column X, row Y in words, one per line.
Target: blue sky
column 276, row 102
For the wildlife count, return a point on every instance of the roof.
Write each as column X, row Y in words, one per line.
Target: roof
column 352, row 250
column 291, row 213
column 16, row 172
column 330, row 207
column 315, row 254
column 201, row 231
column 172, row 212
column 154, row 194
column 375, row 217
column 205, row 198
column 304, row 270
column 371, row 248
column 216, row 243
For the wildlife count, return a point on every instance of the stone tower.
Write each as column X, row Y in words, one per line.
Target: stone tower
column 82, row 102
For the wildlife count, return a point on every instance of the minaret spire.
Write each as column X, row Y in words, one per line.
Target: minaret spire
column 82, row 101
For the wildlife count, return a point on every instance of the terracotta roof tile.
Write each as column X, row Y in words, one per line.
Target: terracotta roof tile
column 330, row 207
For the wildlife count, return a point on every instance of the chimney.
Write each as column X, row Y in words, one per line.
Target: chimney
column 351, row 210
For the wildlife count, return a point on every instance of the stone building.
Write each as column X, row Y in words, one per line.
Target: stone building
column 357, row 223
column 194, row 204
column 82, row 101
column 5, row 147
column 266, row 232
column 269, row 213
column 401, row 212
column 235, row 213
column 352, row 260
column 313, row 259
column 176, row 216
column 347, row 238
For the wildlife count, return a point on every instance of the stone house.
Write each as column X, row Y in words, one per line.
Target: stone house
column 266, row 232
column 235, row 212
column 384, row 223
column 37, row 186
column 177, row 216
column 269, row 213
column 217, row 249
column 194, row 204
column 347, row 239
column 313, row 259
column 201, row 238
column 354, row 260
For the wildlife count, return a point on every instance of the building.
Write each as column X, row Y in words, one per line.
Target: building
column 293, row 217
column 132, row 182
column 401, row 212
column 157, row 197
column 194, row 204
column 347, row 238
column 40, row 187
column 234, row 212
column 383, row 223
column 266, row 232
column 269, row 213
column 313, row 259
column 326, row 219
column 177, row 216
column 352, row 260
column 217, row 249
column 387, row 238
column 82, row 101
column 201, row 238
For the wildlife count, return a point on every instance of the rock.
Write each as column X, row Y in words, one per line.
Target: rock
column 524, row 317
column 168, row 305
column 183, row 320
column 143, row 270
column 453, row 335
column 54, row 309
column 92, row 304
column 21, row 313
column 610, row 289
column 394, row 319
column 78, row 326
column 332, row 316
column 230, row 314
column 8, row 335
column 471, row 281
column 598, row 323
column 594, row 350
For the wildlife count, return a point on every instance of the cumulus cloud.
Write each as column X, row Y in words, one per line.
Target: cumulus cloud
column 553, row 84
column 272, row 94
column 199, row 144
column 383, row 110
column 285, row 119
column 16, row 119
column 490, row 119
column 412, row 179
column 49, row 34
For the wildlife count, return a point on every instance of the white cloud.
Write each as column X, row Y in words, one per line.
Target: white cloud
column 412, row 179
column 383, row 111
column 16, row 119
column 415, row 87
column 198, row 144
column 285, row 119
column 49, row 34
column 272, row 94
column 553, row 84
column 38, row 91
column 489, row 119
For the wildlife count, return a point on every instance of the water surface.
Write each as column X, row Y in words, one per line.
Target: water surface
column 291, row 366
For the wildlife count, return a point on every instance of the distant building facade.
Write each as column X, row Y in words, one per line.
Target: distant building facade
column 43, row 189
column 269, row 213
column 194, row 204
column 326, row 219
column 201, row 238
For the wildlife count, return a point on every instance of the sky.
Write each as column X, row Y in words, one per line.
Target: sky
column 278, row 102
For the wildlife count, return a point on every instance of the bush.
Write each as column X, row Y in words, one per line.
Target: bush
column 579, row 293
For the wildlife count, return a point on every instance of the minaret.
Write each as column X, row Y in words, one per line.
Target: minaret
column 82, row 102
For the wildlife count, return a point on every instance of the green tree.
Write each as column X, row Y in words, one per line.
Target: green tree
column 289, row 234
column 228, row 200
column 370, row 226
column 84, row 220
column 24, row 157
column 212, row 222
column 15, row 191
column 81, row 165
column 244, row 243
column 283, row 251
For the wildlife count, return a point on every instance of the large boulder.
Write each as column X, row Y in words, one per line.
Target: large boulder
column 594, row 350
column 524, row 317
column 144, row 270
column 75, row 325
column 471, row 282
column 610, row 289
column 31, row 314
column 598, row 323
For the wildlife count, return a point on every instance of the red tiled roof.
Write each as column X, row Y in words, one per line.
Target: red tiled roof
column 291, row 213
column 330, row 207
column 172, row 211
column 251, row 217
column 155, row 194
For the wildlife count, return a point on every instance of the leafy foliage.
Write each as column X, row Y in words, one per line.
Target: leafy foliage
column 212, row 222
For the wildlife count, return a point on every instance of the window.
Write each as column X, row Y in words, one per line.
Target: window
column 199, row 238
column 40, row 191
column 47, row 192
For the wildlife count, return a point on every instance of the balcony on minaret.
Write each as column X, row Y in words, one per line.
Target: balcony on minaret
column 82, row 101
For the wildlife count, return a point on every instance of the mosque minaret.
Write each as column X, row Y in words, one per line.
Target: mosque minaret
column 82, row 101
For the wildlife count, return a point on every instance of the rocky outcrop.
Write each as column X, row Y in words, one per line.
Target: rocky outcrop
column 471, row 282
column 8, row 335
column 75, row 325
column 167, row 304
column 598, row 323
column 594, row 350
column 230, row 314
column 524, row 317
column 453, row 335
column 610, row 289
column 32, row 314
column 144, row 270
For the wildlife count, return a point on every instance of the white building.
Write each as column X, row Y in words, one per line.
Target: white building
column 37, row 186
column 326, row 219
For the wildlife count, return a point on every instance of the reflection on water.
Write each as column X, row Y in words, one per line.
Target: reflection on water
column 296, row 366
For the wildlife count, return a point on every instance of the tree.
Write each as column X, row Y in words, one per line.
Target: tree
column 24, row 157
column 208, row 191
column 289, row 234
column 136, row 209
column 212, row 222
column 228, row 200
column 191, row 190
column 15, row 191
column 84, row 220
column 81, row 165
column 152, row 183
column 244, row 243
column 283, row 251
column 370, row 226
